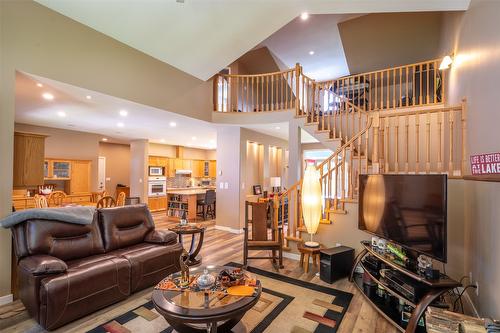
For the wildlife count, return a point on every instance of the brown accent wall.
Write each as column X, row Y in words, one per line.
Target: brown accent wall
column 378, row 41
column 117, row 165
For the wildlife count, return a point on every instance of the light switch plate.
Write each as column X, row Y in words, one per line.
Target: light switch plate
column 226, row 185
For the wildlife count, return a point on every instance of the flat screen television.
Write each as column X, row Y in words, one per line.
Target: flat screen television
column 409, row 210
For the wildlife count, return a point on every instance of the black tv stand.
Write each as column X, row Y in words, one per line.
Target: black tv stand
column 433, row 290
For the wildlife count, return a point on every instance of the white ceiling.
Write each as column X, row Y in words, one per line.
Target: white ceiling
column 201, row 37
column 320, row 34
column 101, row 114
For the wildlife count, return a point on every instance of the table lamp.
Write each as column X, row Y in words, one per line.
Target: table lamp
column 275, row 183
column 311, row 200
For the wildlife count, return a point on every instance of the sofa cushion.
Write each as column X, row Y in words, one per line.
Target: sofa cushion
column 88, row 285
column 65, row 241
column 124, row 226
column 150, row 263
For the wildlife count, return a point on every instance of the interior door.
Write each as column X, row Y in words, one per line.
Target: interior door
column 101, row 173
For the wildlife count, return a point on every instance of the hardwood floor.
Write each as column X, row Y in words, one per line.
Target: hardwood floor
column 221, row 247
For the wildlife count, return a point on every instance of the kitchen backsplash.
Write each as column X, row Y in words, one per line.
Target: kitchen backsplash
column 186, row 181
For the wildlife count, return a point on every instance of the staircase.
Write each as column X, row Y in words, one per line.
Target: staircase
column 392, row 121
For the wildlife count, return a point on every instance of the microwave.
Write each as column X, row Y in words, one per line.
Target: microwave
column 156, row 171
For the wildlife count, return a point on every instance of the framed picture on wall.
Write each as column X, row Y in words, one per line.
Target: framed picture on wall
column 257, row 189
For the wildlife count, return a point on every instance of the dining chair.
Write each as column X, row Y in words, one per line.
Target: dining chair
column 40, row 201
column 120, row 199
column 96, row 196
column 261, row 235
column 56, row 198
column 106, row 202
column 207, row 204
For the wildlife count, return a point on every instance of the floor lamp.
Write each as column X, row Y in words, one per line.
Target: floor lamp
column 311, row 200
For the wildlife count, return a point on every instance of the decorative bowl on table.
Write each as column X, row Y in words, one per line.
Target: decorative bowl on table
column 205, row 281
column 46, row 191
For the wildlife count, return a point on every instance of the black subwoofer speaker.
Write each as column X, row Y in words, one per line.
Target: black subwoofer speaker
column 335, row 263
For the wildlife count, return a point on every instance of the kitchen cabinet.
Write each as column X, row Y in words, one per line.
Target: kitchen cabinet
column 29, row 151
column 187, row 164
column 171, row 167
column 57, row 169
column 157, row 204
column 80, row 177
column 197, row 168
column 212, row 169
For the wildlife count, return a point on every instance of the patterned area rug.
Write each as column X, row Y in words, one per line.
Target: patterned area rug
column 286, row 305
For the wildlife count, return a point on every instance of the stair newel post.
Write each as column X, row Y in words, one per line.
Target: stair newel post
column 297, row 88
column 376, row 129
column 276, row 217
column 216, row 92
column 350, row 167
column 464, row 135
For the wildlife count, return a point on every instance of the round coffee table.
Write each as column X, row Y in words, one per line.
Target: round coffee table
column 197, row 312
column 191, row 229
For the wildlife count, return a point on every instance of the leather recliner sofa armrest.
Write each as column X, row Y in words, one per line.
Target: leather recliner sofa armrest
column 164, row 237
column 42, row 264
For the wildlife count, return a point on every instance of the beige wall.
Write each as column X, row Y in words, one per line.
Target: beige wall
column 6, row 152
column 473, row 37
column 117, row 165
column 68, row 144
column 156, row 149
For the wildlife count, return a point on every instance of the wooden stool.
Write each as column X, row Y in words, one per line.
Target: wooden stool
column 306, row 252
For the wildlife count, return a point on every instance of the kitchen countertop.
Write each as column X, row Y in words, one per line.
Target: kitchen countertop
column 187, row 191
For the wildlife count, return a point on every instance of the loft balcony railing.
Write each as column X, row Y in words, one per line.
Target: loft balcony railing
column 419, row 84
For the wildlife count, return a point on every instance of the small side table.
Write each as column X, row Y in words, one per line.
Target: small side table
column 191, row 229
column 306, row 252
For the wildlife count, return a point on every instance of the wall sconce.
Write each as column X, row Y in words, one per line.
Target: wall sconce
column 446, row 62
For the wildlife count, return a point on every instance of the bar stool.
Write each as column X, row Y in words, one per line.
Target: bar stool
column 207, row 204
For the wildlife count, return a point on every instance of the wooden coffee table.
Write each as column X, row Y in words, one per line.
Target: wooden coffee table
column 197, row 312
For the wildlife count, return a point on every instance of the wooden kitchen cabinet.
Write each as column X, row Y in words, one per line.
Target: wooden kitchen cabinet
column 29, row 151
column 157, row 204
column 80, row 177
column 186, row 164
column 197, row 168
column 212, row 169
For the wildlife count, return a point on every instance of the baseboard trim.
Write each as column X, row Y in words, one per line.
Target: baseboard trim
column 290, row 255
column 228, row 229
column 6, row 299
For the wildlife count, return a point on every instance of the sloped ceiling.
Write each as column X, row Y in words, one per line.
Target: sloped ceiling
column 257, row 61
column 378, row 41
column 201, row 37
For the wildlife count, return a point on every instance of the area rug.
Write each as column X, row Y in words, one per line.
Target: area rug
column 285, row 305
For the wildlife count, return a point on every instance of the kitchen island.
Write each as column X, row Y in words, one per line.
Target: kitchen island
column 184, row 199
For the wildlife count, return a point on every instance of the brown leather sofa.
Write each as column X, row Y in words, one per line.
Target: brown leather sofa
column 67, row 271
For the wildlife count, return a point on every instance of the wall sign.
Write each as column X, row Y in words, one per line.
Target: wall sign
column 485, row 164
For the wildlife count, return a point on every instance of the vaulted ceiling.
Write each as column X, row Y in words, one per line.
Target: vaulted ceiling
column 201, row 37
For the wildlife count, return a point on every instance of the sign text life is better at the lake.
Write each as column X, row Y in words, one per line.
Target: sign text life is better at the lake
column 485, row 164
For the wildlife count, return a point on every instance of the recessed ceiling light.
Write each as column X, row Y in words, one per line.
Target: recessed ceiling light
column 88, row 97
column 104, row 139
column 120, row 124
column 123, row 113
column 193, row 138
column 61, row 114
column 173, row 124
column 277, row 127
column 304, row 16
column 162, row 140
column 48, row 96
column 311, row 52
column 39, row 85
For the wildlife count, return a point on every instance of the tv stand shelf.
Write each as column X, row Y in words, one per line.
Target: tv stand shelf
column 434, row 289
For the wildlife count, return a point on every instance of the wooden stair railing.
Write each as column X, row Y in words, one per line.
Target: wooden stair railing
column 337, row 182
column 412, row 141
column 418, row 84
